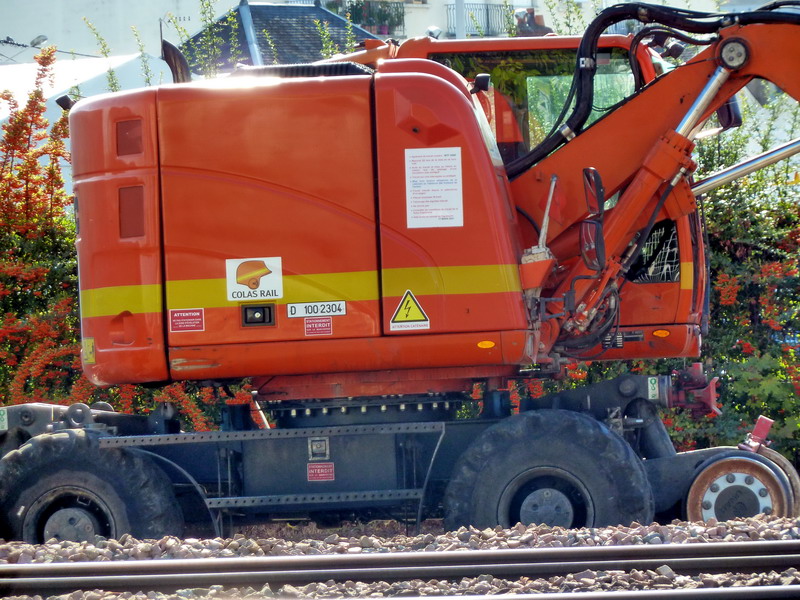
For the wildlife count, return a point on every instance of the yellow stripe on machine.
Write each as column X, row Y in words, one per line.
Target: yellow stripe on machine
column 318, row 287
column 469, row 279
column 109, row 301
column 687, row 275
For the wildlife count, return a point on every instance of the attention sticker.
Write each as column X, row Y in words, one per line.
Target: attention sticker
column 187, row 319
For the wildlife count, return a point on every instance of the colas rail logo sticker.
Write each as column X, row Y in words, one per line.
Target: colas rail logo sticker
column 250, row 272
column 409, row 315
column 254, row 278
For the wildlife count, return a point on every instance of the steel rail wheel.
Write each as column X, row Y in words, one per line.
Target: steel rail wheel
column 62, row 486
column 738, row 486
column 791, row 473
column 556, row 467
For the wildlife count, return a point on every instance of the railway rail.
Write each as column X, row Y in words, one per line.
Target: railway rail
column 170, row 575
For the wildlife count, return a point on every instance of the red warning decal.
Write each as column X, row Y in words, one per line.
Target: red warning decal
column 319, row 326
column 187, row 319
column 321, row 471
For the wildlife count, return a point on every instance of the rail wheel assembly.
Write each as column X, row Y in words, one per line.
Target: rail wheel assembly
column 555, row 467
column 740, row 484
column 62, row 486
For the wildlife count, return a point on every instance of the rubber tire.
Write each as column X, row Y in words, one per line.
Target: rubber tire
column 137, row 496
column 587, row 450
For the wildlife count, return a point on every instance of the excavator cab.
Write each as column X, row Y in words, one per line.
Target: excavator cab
column 531, row 84
column 530, row 88
column 662, row 295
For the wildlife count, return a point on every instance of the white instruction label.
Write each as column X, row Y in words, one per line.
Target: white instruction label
column 3, row 419
column 434, row 196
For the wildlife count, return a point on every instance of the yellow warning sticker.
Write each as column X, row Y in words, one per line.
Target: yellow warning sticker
column 87, row 345
column 409, row 315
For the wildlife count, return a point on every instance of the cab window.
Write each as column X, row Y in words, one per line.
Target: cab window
column 531, row 86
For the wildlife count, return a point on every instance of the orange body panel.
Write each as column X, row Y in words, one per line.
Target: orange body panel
column 416, row 235
column 674, row 341
column 254, row 218
column 115, row 168
column 262, row 191
column 376, row 383
column 358, row 354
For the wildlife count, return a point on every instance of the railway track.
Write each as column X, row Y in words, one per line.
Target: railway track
column 170, row 575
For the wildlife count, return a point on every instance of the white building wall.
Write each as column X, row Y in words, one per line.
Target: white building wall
column 421, row 16
column 62, row 22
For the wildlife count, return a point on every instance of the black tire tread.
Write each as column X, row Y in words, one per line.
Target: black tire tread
column 625, row 469
column 154, row 513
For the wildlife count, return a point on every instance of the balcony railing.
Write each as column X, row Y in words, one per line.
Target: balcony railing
column 376, row 16
column 479, row 19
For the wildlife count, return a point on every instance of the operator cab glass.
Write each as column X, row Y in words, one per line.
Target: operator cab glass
column 530, row 88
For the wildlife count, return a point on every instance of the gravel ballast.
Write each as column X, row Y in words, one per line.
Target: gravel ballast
column 354, row 542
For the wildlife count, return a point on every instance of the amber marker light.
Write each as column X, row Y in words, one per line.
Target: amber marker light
column 486, row 344
column 661, row 333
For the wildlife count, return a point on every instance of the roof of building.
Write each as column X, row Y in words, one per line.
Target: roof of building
column 261, row 33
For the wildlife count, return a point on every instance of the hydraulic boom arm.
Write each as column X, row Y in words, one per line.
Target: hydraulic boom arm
column 642, row 151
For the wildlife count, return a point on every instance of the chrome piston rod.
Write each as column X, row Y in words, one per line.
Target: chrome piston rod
column 746, row 167
column 702, row 101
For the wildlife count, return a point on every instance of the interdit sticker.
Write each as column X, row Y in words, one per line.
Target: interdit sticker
column 322, row 471
column 319, row 326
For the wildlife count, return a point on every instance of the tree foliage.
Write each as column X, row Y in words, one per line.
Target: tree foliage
column 753, row 227
column 217, row 46
column 38, row 291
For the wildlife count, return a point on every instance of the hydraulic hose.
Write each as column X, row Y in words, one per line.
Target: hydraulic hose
column 648, row 31
column 586, row 64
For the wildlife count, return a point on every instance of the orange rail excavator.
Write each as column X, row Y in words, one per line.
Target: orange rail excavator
column 369, row 237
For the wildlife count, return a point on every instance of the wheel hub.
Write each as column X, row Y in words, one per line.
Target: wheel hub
column 735, row 494
column 547, row 505
column 547, row 495
column 74, row 524
column 736, row 487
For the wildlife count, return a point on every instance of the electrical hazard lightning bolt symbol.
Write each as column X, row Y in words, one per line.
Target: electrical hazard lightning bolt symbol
column 407, row 308
column 409, row 314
